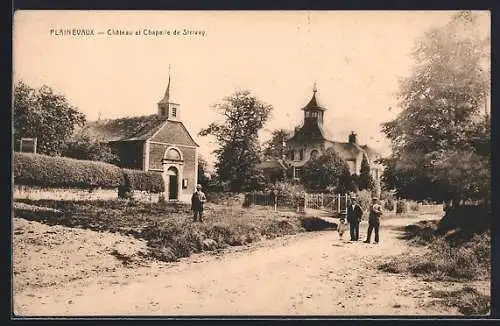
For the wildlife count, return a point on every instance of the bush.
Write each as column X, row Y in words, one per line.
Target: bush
column 472, row 218
column 364, row 198
column 389, row 204
column 288, row 193
column 225, row 198
column 401, row 207
column 414, row 206
column 143, row 180
column 445, row 260
column 59, row 172
column 468, row 300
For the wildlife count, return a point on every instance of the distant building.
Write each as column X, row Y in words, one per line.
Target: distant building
column 311, row 139
column 159, row 142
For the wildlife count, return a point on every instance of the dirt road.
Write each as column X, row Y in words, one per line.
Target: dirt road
column 306, row 274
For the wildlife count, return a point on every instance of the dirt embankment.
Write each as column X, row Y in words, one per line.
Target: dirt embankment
column 65, row 271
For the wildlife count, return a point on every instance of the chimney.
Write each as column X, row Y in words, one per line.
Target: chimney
column 352, row 138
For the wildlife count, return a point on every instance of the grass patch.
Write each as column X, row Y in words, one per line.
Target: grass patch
column 168, row 228
column 447, row 260
column 468, row 300
column 459, row 255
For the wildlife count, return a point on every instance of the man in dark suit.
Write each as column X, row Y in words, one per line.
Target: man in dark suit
column 197, row 202
column 354, row 214
column 374, row 220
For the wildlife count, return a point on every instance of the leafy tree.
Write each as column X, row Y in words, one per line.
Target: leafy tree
column 275, row 147
column 239, row 149
column 440, row 141
column 204, row 176
column 365, row 180
column 83, row 146
column 43, row 114
column 327, row 172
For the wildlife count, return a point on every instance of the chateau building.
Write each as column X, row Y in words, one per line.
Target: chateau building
column 311, row 139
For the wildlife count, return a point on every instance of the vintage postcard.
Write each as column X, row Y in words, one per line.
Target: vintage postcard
column 251, row 163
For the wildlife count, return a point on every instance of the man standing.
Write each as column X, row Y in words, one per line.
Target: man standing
column 354, row 214
column 197, row 201
column 374, row 220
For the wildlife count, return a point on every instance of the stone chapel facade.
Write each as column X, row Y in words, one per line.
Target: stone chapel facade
column 158, row 142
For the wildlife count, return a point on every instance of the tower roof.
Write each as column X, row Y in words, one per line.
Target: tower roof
column 313, row 103
column 166, row 97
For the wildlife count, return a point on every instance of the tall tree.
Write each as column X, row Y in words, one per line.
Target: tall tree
column 440, row 131
column 365, row 180
column 327, row 173
column 276, row 146
column 237, row 136
column 43, row 114
column 203, row 174
column 83, row 146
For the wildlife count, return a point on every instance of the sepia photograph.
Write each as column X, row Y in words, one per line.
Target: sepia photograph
column 251, row 163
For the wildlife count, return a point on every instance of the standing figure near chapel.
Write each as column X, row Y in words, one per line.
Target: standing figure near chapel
column 197, row 202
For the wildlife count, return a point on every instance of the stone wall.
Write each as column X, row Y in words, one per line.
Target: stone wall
column 38, row 193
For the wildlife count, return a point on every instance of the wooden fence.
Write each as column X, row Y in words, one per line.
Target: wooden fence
column 336, row 203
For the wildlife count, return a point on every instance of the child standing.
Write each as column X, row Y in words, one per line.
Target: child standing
column 342, row 227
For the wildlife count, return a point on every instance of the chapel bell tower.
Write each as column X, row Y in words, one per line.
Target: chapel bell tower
column 166, row 107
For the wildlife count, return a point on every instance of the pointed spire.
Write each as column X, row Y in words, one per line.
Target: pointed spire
column 313, row 103
column 166, row 97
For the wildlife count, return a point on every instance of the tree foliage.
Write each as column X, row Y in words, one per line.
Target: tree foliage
column 237, row 136
column 275, row 147
column 43, row 114
column 83, row 146
column 329, row 172
column 365, row 180
column 440, row 140
column 204, row 176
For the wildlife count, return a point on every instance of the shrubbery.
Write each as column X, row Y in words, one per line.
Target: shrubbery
column 288, row 193
column 143, row 180
column 389, row 204
column 401, row 207
column 364, row 198
column 60, row 172
column 414, row 206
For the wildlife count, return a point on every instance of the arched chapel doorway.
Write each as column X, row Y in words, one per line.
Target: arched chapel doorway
column 173, row 183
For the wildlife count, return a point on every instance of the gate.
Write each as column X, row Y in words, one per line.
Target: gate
column 332, row 203
column 336, row 203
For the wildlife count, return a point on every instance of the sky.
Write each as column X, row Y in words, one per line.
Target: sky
column 356, row 60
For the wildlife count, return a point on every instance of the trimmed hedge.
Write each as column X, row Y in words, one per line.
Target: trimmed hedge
column 143, row 180
column 61, row 172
